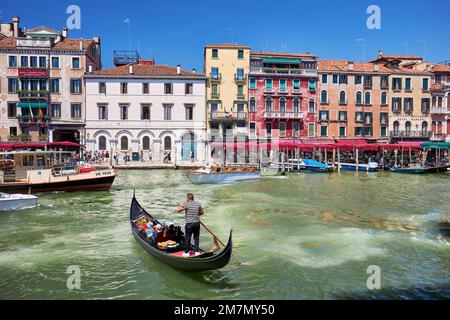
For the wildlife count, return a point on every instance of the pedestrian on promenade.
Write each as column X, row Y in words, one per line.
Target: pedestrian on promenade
column 150, row 159
column 192, row 210
column 142, row 156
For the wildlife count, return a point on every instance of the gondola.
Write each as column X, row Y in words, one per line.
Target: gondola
column 206, row 261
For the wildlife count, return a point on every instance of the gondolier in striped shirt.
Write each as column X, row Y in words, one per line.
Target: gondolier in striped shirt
column 193, row 210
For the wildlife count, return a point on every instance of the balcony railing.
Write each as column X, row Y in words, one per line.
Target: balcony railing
column 33, row 120
column 298, row 90
column 438, row 110
column 283, row 90
column 33, row 95
column 215, row 77
column 21, row 137
column 438, row 137
column 411, row 134
column 283, row 115
column 240, row 78
column 288, row 71
column 228, row 115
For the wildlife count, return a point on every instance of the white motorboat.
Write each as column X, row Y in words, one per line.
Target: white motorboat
column 14, row 202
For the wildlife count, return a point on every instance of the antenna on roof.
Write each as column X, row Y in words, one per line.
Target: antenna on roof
column 231, row 34
column 363, row 45
column 426, row 49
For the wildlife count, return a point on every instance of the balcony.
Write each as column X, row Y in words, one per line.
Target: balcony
column 215, row 77
column 33, row 95
column 283, row 90
column 215, row 95
column 223, row 116
column 283, row 71
column 240, row 78
column 368, row 85
column 411, row 134
column 269, row 90
column 439, row 110
column 283, row 115
column 20, row 138
column 438, row 137
column 384, row 86
column 296, row 90
column 26, row 119
column 240, row 95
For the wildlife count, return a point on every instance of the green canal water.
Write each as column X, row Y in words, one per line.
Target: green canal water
column 305, row 236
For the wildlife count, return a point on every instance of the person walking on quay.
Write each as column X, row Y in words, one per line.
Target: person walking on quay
column 193, row 210
column 192, row 156
column 142, row 156
column 150, row 158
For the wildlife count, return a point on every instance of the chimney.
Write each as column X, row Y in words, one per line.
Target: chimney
column 90, row 68
column 97, row 40
column 351, row 66
column 130, row 69
column 178, row 69
column 194, row 70
column 15, row 21
column 380, row 53
column 81, row 44
column 375, row 67
column 64, row 32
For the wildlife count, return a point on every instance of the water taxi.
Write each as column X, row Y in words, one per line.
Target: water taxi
column 28, row 172
column 223, row 174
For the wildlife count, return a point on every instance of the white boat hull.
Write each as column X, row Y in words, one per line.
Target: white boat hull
column 216, row 178
column 16, row 202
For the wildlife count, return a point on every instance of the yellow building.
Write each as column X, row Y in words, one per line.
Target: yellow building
column 410, row 97
column 227, row 67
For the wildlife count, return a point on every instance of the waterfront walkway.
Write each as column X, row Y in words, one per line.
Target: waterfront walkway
column 139, row 165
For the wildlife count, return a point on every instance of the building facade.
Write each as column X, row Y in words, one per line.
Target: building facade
column 353, row 100
column 227, row 68
column 282, row 96
column 440, row 112
column 147, row 109
column 410, row 97
column 42, row 92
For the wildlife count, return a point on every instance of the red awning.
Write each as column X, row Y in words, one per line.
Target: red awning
column 8, row 146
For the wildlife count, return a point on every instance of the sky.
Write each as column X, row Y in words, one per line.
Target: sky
column 175, row 31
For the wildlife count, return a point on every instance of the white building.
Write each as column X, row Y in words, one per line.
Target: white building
column 148, row 108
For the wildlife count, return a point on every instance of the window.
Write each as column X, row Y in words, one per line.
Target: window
column 123, row 88
column 384, row 98
column 189, row 88
column 215, row 73
column 102, row 87
column 42, row 62
column 240, row 54
column 269, row 104
column 145, row 88
column 296, row 105
column 367, row 98
column 424, row 128
column 323, row 131
column 368, row 118
column 252, row 129
column 358, row 79
column 283, row 86
column 335, row 78
column 215, row 53
column 425, row 105
column 367, row 81
column 189, row 112
column 383, row 118
column 24, row 62
column 324, row 78
column 342, row 131
column 102, row 112
column 167, row 112
column 342, row 98
column 296, row 85
column 282, row 105
column 282, row 129
column 323, row 115
column 13, row 85
column 268, row 84
column 124, row 143
column 408, row 128
column 240, row 74
column 296, row 129
column 312, row 85
column 168, row 88
column 252, row 105
column 396, row 128
column 324, row 97
column 214, row 89
column 75, row 110
column 123, row 112
column 408, row 105
column 75, row 63
column 240, row 90
column 13, row 131
column 268, row 129
column 311, row 106
column 425, row 83
column 358, row 98
column 311, row 130
column 397, row 84
column 55, row 62
column 358, row 131
column 12, row 62
column 342, row 79
column 252, row 83
column 55, row 110
column 146, row 143
column 12, row 110
column 75, row 86
column 27, row 161
column 396, row 105
column 168, row 143
column 33, row 62
column 342, row 115
column 407, row 84
column 383, row 131
column 359, row 116
column 102, row 143
column 54, row 85
column 43, row 85
column 145, row 112
column 384, row 82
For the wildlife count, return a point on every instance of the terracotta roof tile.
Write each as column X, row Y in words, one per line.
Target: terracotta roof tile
column 441, row 68
column 343, row 66
column 146, row 70
column 65, row 44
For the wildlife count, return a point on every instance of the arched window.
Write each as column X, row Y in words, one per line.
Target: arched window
column 312, row 106
column 269, row 102
column 384, row 98
column 167, row 143
column 146, row 143
column 283, row 105
column 252, row 104
column 359, row 97
column 396, row 128
column 342, row 97
column 102, row 143
column 367, row 98
column 324, row 97
column 440, row 102
column 434, row 102
column 424, row 128
column 296, row 105
column 124, row 143
column 408, row 128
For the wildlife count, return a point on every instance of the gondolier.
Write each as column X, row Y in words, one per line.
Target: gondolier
column 193, row 210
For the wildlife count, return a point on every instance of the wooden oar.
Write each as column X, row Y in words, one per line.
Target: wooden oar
column 212, row 233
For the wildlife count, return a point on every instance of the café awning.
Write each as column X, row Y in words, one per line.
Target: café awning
column 32, row 105
column 281, row 60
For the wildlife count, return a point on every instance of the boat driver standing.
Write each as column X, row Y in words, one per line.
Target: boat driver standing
column 193, row 210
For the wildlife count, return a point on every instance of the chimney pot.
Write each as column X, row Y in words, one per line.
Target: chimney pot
column 16, row 30
column 351, row 66
column 90, row 68
column 380, row 53
column 64, row 32
column 130, row 69
column 178, row 69
column 194, row 70
column 375, row 67
column 81, row 44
